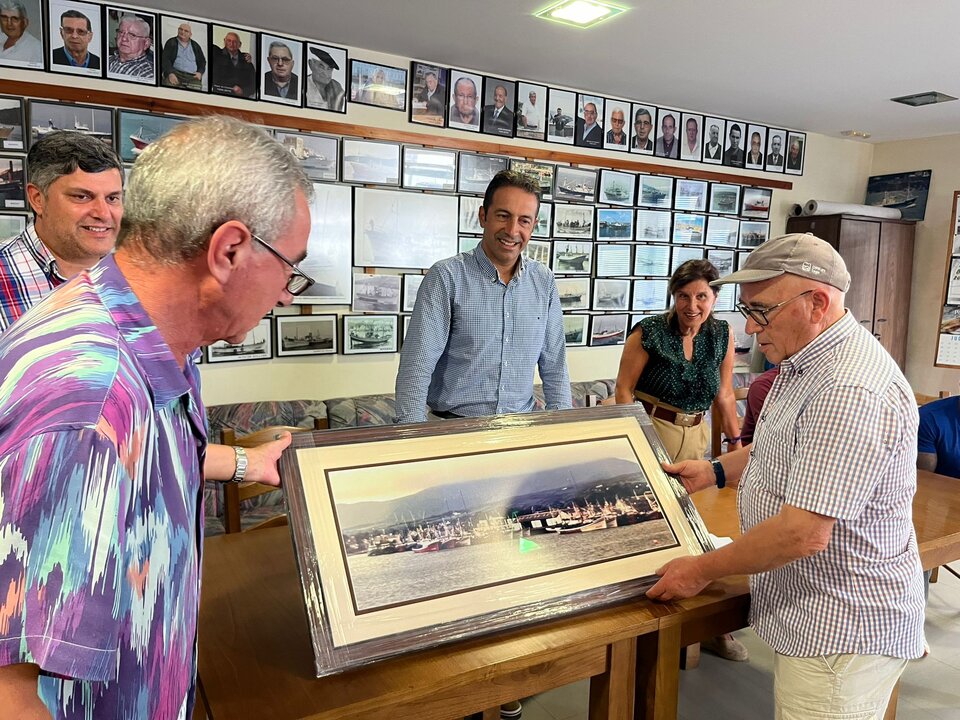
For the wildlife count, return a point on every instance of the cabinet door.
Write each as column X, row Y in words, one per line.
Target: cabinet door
column 894, row 275
column 859, row 247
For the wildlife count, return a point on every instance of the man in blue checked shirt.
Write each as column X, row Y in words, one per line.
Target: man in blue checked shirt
column 485, row 319
column 825, row 494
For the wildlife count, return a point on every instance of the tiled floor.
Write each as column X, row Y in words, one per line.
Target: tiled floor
column 722, row 690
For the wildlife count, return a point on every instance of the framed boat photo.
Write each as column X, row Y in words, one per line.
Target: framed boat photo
column 369, row 334
column 412, row 536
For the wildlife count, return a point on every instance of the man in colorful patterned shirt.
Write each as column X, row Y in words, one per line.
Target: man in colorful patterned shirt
column 102, row 434
column 825, row 494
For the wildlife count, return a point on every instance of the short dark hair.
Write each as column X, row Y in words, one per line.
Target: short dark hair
column 510, row 178
column 688, row 272
column 76, row 14
column 63, row 152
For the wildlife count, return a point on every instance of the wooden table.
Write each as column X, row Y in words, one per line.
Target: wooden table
column 256, row 661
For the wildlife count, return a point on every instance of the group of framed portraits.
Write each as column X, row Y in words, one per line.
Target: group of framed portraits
column 140, row 46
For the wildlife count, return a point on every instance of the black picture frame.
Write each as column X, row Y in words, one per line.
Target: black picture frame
column 140, row 69
column 411, row 286
column 725, row 198
column 12, row 224
column 734, row 154
column 575, row 184
column 370, row 334
column 573, row 221
column 617, row 124
column 271, row 81
column 306, row 335
column 679, row 254
column 660, row 147
column 608, row 329
column 650, row 295
column 13, row 129
column 199, row 39
column 329, row 258
column 653, row 225
column 691, row 128
column 655, row 191
column 325, row 84
column 793, row 165
column 690, row 195
column 91, row 120
column 13, row 183
column 429, row 168
column 376, row 293
column 713, row 127
column 643, row 120
column 318, row 154
column 403, row 229
column 615, row 224
column 722, row 231
column 572, row 257
column 91, row 31
column 651, row 260
column 576, row 329
column 468, row 99
column 499, row 119
column 136, row 130
column 755, row 135
column 906, row 191
column 689, row 228
column 574, row 293
column 544, row 221
column 539, row 250
column 374, row 162
column 243, row 79
column 477, row 170
column 468, row 213
column 592, row 137
column 531, row 111
column 257, row 345
column 378, row 85
column 775, row 162
column 428, row 105
column 542, row 173
column 611, row 294
column 614, row 260
column 29, row 46
column 617, row 187
column 561, row 116
column 753, row 233
column 755, row 203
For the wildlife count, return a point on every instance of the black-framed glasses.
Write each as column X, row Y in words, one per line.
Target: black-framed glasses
column 299, row 281
column 760, row 317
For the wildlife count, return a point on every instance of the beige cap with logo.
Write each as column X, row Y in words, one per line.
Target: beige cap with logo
column 800, row 254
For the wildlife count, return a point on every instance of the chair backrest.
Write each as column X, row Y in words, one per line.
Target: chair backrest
column 716, row 425
column 233, row 494
column 924, row 399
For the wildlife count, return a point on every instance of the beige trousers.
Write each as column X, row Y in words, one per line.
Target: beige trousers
column 683, row 443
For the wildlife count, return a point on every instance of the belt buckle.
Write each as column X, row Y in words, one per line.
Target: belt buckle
column 685, row 419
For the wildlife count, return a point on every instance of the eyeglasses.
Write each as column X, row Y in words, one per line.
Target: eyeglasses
column 278, row 60
column 761, row 317
column 78, row 32
column 299, row 281
column 133, row 36
column 461, row 96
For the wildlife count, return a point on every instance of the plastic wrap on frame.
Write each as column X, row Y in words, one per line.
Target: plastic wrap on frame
column 335, row 624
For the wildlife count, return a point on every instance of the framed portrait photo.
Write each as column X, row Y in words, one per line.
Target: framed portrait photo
column 23, row 29
column 613, row 260
column 561, row 114
column 575, row 329
column 75, row 32
column 753, row 233
column 257, row 345
column 776, row 150
column 376, row 293
column 651, row 260
column 379, row 85
column 722, row 231
column 617, row 122
column 714, row 132
column 573, row 221
column 13, row 183
column 667, row 144
column 540, row 172
column 429, row 168
column 691, row 137
column 476, row 171
column 796, row 149
column 499, row 104
column 306, row 335
column 324, row 86
column 733, row 152
column 655, row 191
column 574, row 293
column 588, row 131
column 317, row 153
column 618, row 188
column 131, row 45
column 137, row 130
column 690, row 195
column 464, row 103
column 395, row 229
column 756, row 149
column 411, row 286
column 370, row 334
column 12, row 135
column 575, row 184
column 329, row 246
column 724, row 198
column 370, row 161
column 755, row 203
column 572, row 257
column 343, row 490
column 644, row 132
column 538, row 250
column 608, row 330
column 531, row 115
column 44, row 117
column 234, row 62
column 183, row 47
column 282, row 58
column 428, row 94
column 615, row 224
column 653, row 225
column 689, row 229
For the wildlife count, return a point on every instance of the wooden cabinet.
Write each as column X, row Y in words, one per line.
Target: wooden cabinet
column 879, row 256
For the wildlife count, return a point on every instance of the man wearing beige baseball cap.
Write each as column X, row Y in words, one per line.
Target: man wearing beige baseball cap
column 825, row 494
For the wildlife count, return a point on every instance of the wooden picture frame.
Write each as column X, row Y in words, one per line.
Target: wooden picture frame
column 343, row 490
column 306, row 335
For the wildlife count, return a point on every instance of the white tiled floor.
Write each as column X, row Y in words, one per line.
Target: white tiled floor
column 722, row 690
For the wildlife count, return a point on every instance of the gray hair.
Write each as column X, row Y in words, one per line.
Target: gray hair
column 201, row 174
column 278, row 44
column 13, row 5
column 64, row 152
column 141, row 24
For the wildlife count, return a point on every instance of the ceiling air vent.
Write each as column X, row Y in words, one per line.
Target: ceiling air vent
column 926, row 98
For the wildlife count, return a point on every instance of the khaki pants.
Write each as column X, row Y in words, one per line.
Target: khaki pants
column 834, row 687
column 683, row 443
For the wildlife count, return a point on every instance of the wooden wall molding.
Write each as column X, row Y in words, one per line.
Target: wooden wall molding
column 309, row 124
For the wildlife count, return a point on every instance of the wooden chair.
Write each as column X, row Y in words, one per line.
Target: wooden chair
column 716, row 428
column 233, row 493
column 924, row 399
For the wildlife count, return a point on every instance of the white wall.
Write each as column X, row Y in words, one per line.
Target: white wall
column 942, row 155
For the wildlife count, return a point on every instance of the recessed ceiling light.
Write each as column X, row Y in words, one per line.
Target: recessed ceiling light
column 855, row 133
column 580, row 13
column 925, row 98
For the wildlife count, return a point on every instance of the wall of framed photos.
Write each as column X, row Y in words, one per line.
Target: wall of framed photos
column 611, row 282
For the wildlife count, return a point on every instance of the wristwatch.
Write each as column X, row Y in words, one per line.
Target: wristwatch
column 718, row 473
column 242, row 462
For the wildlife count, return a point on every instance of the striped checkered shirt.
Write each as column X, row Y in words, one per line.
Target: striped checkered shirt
column 28, row 272
column 473, row 341
column 838, row 436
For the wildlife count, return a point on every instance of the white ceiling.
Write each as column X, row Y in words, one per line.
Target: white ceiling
column 818, row 65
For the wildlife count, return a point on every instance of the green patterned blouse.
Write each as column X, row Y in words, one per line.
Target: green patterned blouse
column 690, row 385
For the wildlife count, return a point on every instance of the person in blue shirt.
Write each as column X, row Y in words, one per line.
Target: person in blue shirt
column 938, row 437
column 484, row 319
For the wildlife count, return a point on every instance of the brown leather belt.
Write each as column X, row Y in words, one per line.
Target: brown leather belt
column 671, row 416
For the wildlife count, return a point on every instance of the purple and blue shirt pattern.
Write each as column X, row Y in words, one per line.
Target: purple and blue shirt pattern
column 102, row 437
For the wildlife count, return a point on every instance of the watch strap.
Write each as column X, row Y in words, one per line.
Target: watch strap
column 242, row 463
column 719, row 474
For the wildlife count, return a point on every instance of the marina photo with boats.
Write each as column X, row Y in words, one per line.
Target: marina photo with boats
column 46, row 117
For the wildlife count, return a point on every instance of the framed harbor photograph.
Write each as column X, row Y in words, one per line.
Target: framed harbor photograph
column 654, row 225
column 574, row 293
column 376, row 293
column 796, row 149
column 371, row 161
column 428, row 96
column 573, row 221
column 75, row 38
column 722, row 231
column 463, row 107
column 753, row 233
column 575, row 184
column 395, row 229
column 329, row 246
column 12, row 135
column 539, row 250
column 13, row 183
column 649, row 295
column 469, row 215
column 306, row 335
column 561, row 113
column 411, row 286
column 282, row 58
column 531, row 111
column 689, row 229
column 44, row 117
column 608, row 330
column 544, row 217
column 611, row 294
column 379, row 85
column 431, row 507
column 613, row 260
column 257, row 345
column 137, row 130
column 11, row 225
column 742, row 340
column 651, row 260
column 499, row 104
column 906, row 192
column 184, row 43
column 369, row 334
column 617, row 188
column 722, row 260
column 539, row 172
column 326, row 70
column 476, row 171
column 755, row 203
column 466, row 243
column 317, row 153
column 572, row 257
column 681, row 253
column 614, row 224
column 429, row 168
column 655, row 192
column 724, row 198
column 576, row 329
column 690, row 195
